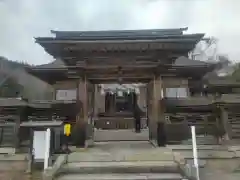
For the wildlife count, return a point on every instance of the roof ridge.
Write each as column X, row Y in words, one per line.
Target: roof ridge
column 119, row 33
column 129, row 30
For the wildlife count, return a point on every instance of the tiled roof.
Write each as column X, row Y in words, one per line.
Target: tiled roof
column 184, row 61
column 221, row 81
column 118, row 34
column 12, row 102
column 55, row 64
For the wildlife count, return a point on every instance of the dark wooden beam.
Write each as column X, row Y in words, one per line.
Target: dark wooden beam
column 117, row 76
column 122, row 81
column 133, row 54
column 114, row 68
column 119, row 57
column 124, row 53
column 130, row 46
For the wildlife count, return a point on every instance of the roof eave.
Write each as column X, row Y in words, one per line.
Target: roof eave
column 165, row 38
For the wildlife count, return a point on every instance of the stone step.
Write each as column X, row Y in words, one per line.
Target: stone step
column 138, row 176
column 120, row 167
column 201, row 141
column 120, row 135
column 236, row 125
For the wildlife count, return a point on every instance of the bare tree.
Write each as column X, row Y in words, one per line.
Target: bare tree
column 205, row 50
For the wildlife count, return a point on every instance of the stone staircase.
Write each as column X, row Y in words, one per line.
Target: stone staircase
column 202, row 140
column 120, row 135
column 119, row 161
column 120, row 171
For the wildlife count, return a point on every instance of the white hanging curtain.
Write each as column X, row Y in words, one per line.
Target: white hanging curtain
column 102, row 91
column 66, row 94
column 182, row 92
column 123, row 87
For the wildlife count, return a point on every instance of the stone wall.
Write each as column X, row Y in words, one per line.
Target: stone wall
column 215, row 161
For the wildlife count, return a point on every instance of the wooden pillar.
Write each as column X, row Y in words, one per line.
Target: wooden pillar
column 226, row 124
column 83, row 97
column 112, row 109
column 157, row 87
column 80, row 130
column 154, row 109
column 90, row 90
column 102, row 102
column 96, row 101
column 149, row 108
column 19, row 117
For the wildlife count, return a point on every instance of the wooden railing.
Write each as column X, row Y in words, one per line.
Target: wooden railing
column 234, row 121
column 178, row 125
column 188, row 101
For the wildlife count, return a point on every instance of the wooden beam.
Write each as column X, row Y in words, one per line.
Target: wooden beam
column 113, row 71
column 133, row 54
column 124, row 45
column 116, row 67
column 123, row 80
column 121, row 62
column 117, row 75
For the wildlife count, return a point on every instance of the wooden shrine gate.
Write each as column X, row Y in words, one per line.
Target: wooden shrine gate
column 132, row 56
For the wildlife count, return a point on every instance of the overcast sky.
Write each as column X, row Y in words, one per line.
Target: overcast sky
column 22, row 20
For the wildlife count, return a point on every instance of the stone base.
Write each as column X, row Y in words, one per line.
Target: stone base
column 7, row 150
column 89, row 143
column 79, row 136
column 161, row 135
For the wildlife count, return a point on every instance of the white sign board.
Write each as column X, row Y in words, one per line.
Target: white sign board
column 69, row 94
column 39, row 143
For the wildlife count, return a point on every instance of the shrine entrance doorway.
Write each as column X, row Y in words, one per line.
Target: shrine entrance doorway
column 121, row 101
column 115, row 119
